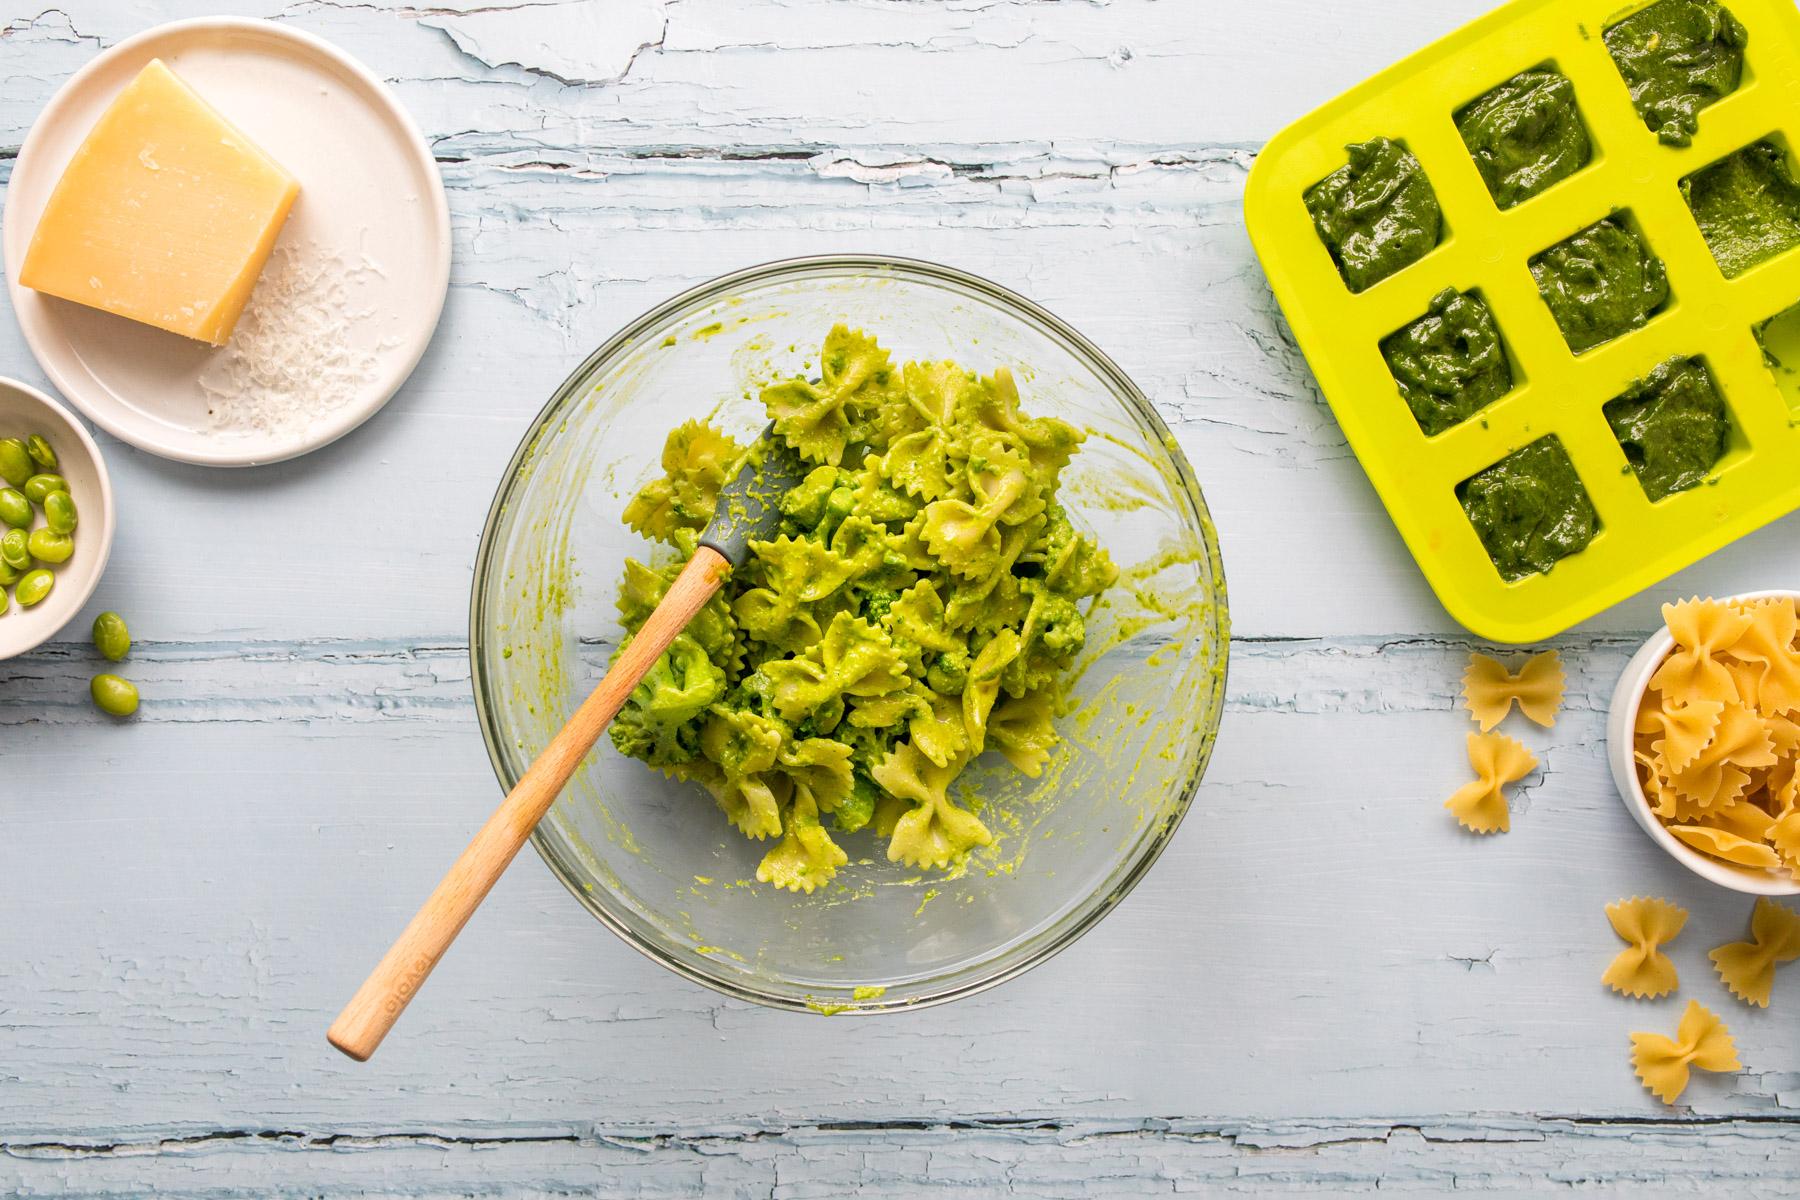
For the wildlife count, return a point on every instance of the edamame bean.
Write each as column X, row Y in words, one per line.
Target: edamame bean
column 15, row 509
column 39, row 486
column 39, row 449
column 15, row 549
column 15, row 462
column 111, row 638
column 34, row 587
column 59, row 511
column 9, row 574
column 114, row 695
column 47, row 545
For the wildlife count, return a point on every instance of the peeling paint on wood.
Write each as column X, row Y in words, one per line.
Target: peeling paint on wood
column 1044, row 1160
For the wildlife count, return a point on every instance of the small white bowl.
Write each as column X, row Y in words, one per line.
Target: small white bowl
column 1621, row 721
column 24, row 411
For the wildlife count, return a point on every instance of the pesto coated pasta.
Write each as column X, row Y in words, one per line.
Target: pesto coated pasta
column 920, row 604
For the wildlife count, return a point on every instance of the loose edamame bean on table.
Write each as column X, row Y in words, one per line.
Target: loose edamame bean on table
column 38, row 447
column 15, row 509
column 34, row 587
column 111, row 638
column 15, row 462
column 39, row 486
column 114, row 695
column 59, row 511
column 47, row 545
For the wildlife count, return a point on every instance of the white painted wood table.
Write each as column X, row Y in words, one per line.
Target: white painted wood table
column 1323, row 986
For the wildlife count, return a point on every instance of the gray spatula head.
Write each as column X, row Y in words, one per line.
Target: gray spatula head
column 749, row 507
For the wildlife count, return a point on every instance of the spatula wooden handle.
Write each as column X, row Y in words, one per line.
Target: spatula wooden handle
column 359, row 1029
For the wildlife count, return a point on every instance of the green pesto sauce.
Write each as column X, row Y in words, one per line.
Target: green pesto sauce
column 1747, row 206
column 1530, row 509
column 1677, row 57
column 1525, row 135
column 1778, row 337
column 915, row 600
column 1449, row 363
column 1600, row 283
column 1376, row 214
column 1672, row 425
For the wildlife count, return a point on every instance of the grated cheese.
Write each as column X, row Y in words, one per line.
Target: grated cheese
column 294, row 358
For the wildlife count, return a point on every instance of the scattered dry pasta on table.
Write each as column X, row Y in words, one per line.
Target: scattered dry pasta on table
column 1716, row 740
column 1643, row 971
column 1480, row 806
column 1701, row 1041
column 1490, row 690
column 1748, row 968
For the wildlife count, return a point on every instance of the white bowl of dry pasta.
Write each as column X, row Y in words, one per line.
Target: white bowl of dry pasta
column 1704, row 739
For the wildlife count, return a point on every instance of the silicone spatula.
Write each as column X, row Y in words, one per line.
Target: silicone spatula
column 748, row 509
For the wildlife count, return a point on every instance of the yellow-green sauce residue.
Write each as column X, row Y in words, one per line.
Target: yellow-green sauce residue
column 859, row 995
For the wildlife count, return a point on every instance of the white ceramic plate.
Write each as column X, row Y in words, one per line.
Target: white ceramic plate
column 371, row 220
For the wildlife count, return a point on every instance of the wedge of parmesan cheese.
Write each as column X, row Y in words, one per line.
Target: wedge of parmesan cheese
column 165, row 215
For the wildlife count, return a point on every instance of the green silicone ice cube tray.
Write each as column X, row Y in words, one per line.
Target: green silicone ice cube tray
column 1487, row 250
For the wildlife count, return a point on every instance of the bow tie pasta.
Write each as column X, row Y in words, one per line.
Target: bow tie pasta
column 1480, row 805
column 1643, row 970
column 1748, row 968
column 1717, row 739
column 1701, row 1041
column 1490, row 690
column 922, row 601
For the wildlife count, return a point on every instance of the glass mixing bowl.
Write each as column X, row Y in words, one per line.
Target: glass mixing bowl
column 655, row 860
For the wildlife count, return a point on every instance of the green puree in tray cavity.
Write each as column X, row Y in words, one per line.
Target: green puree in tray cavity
column 1530, row 509
column 1677, row 57
column 1525, row 135
column 1672, row 425
column 1377, row 213
column 1747, row 206
column 1449, row 363
column 1600, row 283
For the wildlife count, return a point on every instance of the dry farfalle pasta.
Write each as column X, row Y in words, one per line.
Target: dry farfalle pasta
column 1480, row 805
column 1717, row 742
column 1701, row 1041
column 1490, row 690
column 1748, row 968
column 1702, row 629
column 1643, row 970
